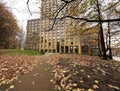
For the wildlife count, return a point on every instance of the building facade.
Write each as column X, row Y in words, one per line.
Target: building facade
column 32, row 35
column 60, row 38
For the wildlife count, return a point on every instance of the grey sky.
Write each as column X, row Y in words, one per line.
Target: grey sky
column 20, row 11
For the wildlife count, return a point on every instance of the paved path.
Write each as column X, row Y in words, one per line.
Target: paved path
column 116, row 58
column 36, row 80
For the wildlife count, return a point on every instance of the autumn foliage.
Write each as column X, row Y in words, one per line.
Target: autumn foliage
column 8, row 28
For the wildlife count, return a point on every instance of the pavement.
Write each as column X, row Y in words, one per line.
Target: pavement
column 36, row 80
column 116, row 58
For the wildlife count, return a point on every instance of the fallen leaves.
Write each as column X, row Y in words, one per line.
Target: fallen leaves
column 95, row 86
column 52, row 80
column 36, row 74
column 74, row 72
column 81, row 81
column 33, row 82
column 11, row 87
column 19, row 81
column 90, row 89
column 78, row 89
column 96, row 81
column 74, row 84
column 12, row 66
column 111, row 86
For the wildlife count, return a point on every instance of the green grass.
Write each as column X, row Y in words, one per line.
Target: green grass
column 25, row 52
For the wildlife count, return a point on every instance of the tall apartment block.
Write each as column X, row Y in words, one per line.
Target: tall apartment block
column 62, row 38
column 59, row 39
column 32, row 37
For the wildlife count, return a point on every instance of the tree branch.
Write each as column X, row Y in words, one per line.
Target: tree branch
column 66, row 2
column 88, row 20
column 28, row 7
column 112, row 6
column 54, row 19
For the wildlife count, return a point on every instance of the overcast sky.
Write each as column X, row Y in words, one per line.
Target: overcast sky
column 20, row 10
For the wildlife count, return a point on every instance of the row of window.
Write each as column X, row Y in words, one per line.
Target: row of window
column 34, row 21
column 53, row 41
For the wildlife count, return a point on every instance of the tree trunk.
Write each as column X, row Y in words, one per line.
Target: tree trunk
column 110, row 51
column 99, row 45
column 89, row 50
column 101, row 33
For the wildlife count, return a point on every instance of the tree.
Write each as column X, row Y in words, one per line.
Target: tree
column 8, row 29
column 112, row 27
column 87, row 11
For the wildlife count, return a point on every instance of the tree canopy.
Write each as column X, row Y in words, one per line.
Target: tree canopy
column 8, row 28
column 89, row 13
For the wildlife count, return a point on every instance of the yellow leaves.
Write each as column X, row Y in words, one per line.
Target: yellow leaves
column 112, row 86
column 76, row 89
column 88, row 76
column 51, row 15
column 64, row 79
column 96, row 81
column 76, row 72
column 90, row 89
column 95, row 86
column 83, row 8
column 36, row 74
column 12, row 66
column 74, row 84
column 8, row 25
column 81, row 70
column 69, row 86
column 51, row 80
column 74, row 11
column 11, row 87
column 84, row 63
column 57, row 87
column 65, row 71
column 17, row 71
column 83, row 73
column 102, row 71
column 33, row 82
column 72, row 28
column 81, row 81
column 20, row 81
column 91, row 2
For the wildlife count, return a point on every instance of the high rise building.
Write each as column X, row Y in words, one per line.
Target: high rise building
column 32, row 37
column 60, row 39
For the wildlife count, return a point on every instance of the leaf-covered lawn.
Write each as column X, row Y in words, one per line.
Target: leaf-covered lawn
column 12, row 66
column 84, row 73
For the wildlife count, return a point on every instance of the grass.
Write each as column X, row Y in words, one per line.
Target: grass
column 18, row 51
